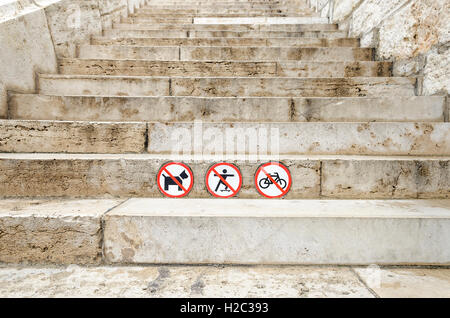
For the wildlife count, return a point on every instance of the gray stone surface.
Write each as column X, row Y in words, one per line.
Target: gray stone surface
column 181, row 281
column 278, row 232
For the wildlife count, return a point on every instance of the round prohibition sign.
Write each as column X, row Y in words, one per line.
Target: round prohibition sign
column 223, row 180
column 273, row 180
column 175, row 180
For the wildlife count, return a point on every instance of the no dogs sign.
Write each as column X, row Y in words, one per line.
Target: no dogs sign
column 175, row 180
column 273, row 180
column 223, row 180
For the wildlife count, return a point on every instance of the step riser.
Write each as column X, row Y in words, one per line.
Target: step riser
column 236, row 138
column 220, row 53
column 261, row 20
column 270, row 239
column 312, row 178
column 222, row 34
column 219, row 14
column 228, row 68
column 292, row 42
column 225, row 87
column 301, row 138
column 142, row 24
column 185, row 109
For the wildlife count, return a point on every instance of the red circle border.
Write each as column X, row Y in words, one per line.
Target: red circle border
column 273, row 164
column 223, row 164
column 170, row 164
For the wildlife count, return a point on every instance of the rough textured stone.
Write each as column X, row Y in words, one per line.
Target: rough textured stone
column 436, row 73
column 27, row 46
column 75, row 137
column 377, row 179
column 3, row 101
column 48, row 231
column 72, row 22
column 248, row 109
column 278, row 232
column 181, row 281
column 385, row 139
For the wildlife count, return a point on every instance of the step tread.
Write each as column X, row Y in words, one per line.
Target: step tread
column 245, row 208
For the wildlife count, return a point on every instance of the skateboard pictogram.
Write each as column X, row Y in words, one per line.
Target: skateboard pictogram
column 223, row 180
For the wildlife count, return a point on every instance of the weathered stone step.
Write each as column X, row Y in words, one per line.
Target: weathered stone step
column 72, row 137
column 134, row 24
column 134, row 175
column 261, row 20
column 42, row 231
column 97, row 85
column 298, row 138
column 225, row 68
column 216, row 109
column 238, row 53
column 223, row 34
column 278, row 232
column 293, row 42
column 317, row 138
column 252, row 13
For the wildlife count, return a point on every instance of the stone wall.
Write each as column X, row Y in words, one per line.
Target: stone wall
column 415, row 34
column 34, row 33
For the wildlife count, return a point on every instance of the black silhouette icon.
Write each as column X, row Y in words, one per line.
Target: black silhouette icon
column 266, row 182
column 168, row 181
column 224, row 175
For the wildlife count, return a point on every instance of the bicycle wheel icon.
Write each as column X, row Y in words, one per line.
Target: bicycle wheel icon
column 266, row 182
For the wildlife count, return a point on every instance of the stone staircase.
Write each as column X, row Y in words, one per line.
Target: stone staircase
column 369, row 156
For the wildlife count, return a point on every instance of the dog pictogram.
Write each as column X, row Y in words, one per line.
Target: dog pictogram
column 175, row 180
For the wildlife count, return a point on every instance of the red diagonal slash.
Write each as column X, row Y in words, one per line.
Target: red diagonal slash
column 271, row 179
column 174, row 179
column 224, row 181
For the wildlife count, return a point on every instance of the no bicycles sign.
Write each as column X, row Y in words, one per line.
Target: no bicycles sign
column 175, row 180
column 223, row 180
column 273, row 180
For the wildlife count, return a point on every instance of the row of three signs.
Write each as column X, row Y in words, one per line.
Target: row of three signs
column 224, row 180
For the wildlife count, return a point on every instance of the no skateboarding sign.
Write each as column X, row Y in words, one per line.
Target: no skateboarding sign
column 223, row 180
column 175, row 180
column 273, row 180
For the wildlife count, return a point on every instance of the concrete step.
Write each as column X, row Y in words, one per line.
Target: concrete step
column 216, row 109
column 278, row 232
column 292, row 42
column 238, row 53
column 225, row 68
column 134, row 175
column 222, row 34
column 142, row 24
column 431, row 139
column 96, row 85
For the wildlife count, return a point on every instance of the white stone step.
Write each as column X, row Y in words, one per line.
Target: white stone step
column 223, row 34
column 96, row 85
column 413, row 232
column 216, row 109
column 388, row 139
column 261, row 20
column 239, row 53
column 225, row 68
column 143, row 24
column 148, row 231
column 292, row 42
column 134, row 175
